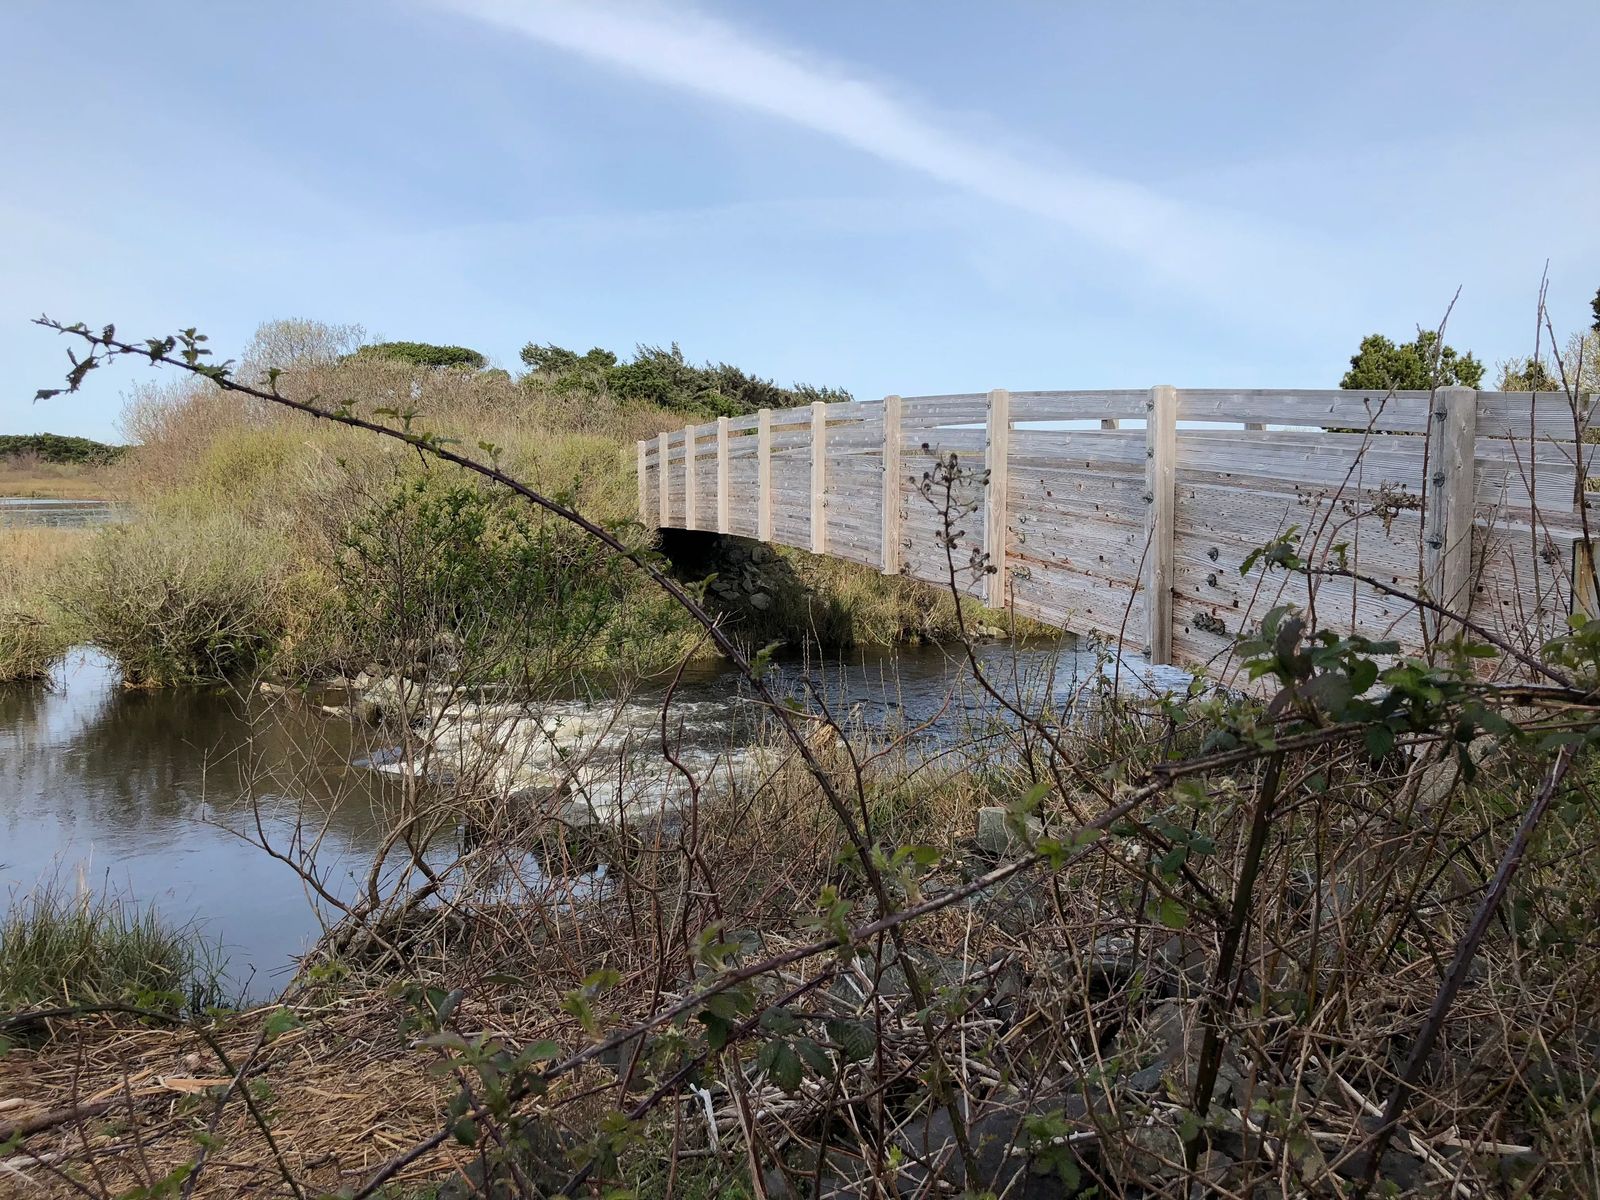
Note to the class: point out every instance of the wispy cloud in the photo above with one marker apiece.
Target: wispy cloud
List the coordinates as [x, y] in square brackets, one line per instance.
[1211, 254]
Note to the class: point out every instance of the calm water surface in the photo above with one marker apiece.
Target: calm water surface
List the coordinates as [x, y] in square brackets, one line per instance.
[146, 793]
[23, 512]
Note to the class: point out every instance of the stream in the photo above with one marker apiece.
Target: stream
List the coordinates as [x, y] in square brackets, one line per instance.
[153, 796]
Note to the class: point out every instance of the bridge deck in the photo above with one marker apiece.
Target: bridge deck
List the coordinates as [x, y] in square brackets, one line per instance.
[1128, 514]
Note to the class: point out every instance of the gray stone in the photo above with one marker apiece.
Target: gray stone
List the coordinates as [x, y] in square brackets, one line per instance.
[1210, 1175]
[995, 836]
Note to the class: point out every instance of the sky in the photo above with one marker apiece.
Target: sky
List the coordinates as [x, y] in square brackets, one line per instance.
[901, 196]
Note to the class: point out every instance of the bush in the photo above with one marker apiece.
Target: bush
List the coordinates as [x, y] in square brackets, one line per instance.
[663, 377]
[178, 600]
[447, 577]
[32, 632]
[58, 448]
[425, 354]
[60, 949]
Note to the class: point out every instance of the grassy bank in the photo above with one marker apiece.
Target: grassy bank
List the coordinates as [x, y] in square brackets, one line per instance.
[58, 947]
[264, 541]
[57, 481]
[34, 628]
[1063, 1003]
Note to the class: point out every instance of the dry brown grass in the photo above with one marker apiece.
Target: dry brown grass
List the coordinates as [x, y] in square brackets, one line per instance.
[37, 480]
[33, 632]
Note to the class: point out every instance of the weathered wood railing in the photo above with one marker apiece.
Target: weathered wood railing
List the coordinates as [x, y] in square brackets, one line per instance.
[1129, 513]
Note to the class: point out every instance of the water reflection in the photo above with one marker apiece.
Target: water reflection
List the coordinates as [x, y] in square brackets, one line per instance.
[147, 793]
[23, 512]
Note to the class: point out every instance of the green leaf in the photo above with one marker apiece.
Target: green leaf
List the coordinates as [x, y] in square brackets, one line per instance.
[782, 1065]
[780, 1020]
[854, 1038]
[717, 1028]
[281, 1022]
[1380, 741]
[1171, 913]
[815, 1057]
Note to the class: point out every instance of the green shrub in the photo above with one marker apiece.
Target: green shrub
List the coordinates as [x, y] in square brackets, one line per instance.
[58, 448]
[425, 354]
[61, 949]
[664, 378]
[30, 644]
[450, 578]
[177, 600]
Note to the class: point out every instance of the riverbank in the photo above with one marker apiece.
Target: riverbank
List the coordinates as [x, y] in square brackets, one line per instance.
[261, 543]
[46, 481]
[1051, 991]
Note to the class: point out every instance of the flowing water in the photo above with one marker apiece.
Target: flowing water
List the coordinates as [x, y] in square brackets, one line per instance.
[149, 795]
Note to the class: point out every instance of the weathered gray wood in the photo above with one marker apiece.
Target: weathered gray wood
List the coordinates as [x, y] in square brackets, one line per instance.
[1451, 497]
[819, 476]
[890, 548]
[724, 493]
[764, 475]
[644, 472]
[1161, 451]
[690, 500]
[997, 463]
[1069, 514]
[665, 512]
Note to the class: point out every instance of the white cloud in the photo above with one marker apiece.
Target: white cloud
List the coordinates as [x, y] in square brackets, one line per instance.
[1210, 254]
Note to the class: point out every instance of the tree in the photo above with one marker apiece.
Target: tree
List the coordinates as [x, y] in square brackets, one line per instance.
[301, 342]
[664, 377]
[1419, 365]
[1595, 306]
[1527, 375]
[425, 354]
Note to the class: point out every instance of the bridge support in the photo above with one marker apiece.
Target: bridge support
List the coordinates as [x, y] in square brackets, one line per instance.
[819, 476]
[889, 549]
[997, 456]
[1452, 489]
[1160, 480]
[764, 475]
[724, 492]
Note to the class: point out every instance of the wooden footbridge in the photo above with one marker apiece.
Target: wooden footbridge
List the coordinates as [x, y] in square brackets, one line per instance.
[1128, 514]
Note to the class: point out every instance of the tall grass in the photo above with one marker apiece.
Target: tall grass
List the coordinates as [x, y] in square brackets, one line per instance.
[177, 602]
[62, 948]
[33, 630]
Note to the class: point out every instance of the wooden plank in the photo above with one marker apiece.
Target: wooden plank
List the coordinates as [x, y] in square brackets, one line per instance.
[1079, 406]
[1160, 482]
[1405, 412]
[690, 500]
[764, 475]
[644, 472]
[819, 476]
[724, 489]
[890, 498]
[1452, 497]
[665, 513]
[997, 462]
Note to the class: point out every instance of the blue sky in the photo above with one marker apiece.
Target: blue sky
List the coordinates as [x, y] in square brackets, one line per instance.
[902, 196]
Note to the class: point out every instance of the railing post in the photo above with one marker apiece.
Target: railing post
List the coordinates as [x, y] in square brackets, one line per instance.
[723, 499]
[662, 458]
[764, 476]
[996, 458]
[1452, 499]
[819, 476]
[644, 477]
[889, 551]
[690, 503]
[1160, 480]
